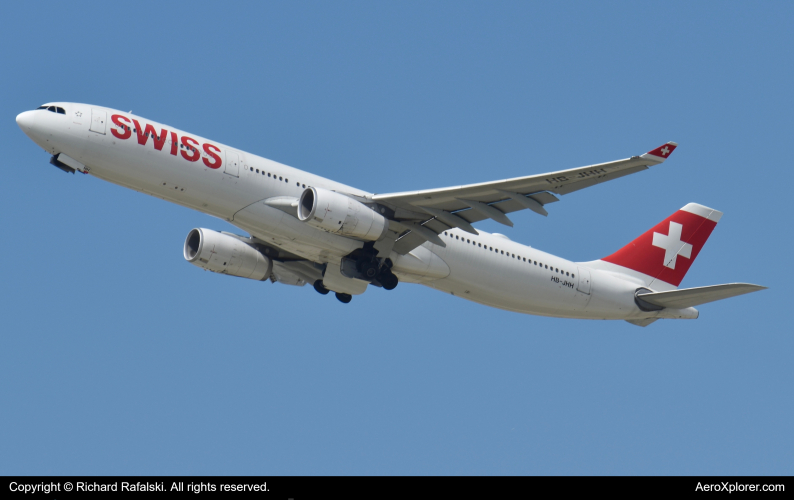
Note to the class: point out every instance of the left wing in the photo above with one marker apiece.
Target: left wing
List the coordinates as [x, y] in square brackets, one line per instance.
[421, 215]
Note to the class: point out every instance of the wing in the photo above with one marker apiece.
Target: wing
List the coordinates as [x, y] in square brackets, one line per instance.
[420, 216]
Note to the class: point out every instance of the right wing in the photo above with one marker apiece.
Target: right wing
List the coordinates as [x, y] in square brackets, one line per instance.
[421, 215]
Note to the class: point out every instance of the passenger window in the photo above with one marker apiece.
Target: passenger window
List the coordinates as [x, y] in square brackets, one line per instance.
[573, 276]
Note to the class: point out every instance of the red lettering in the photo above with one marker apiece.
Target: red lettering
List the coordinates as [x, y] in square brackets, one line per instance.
[174, 143]
[143, 135]
[126, 131]
[190, 147]
[217, 162]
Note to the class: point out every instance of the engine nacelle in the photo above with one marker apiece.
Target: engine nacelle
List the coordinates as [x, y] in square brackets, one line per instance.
[340, 214]
[226, 254]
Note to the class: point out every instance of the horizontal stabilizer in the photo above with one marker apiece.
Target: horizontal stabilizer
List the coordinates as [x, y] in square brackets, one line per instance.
[690, 297]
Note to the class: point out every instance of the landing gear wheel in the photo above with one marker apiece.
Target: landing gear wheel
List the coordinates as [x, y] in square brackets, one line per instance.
[344, 297]
[318, 285]
[389, 281]
[369, 269]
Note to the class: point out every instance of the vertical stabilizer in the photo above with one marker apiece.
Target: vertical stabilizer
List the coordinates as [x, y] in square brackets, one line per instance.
[666, 251]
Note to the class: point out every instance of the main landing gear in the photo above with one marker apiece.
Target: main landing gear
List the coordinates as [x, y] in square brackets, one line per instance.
[318, 285]
[388, 280]
[376, 272]
[344, 298]
[367, 268]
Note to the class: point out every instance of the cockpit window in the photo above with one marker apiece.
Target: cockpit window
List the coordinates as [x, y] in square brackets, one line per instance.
[54, 109]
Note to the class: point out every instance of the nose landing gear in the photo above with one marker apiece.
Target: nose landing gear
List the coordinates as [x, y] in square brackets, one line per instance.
[344, 298]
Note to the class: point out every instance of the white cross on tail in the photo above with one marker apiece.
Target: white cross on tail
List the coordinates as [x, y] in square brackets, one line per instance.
[672, 244]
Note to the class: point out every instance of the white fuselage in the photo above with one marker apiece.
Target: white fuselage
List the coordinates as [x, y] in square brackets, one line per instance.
[488, 268]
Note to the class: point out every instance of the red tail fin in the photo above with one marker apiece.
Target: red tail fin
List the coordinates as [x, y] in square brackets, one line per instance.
[666, 251]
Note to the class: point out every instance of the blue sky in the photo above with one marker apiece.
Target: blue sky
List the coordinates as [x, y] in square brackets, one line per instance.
[118, 357]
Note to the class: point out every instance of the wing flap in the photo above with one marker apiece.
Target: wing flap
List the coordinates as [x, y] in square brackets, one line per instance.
[690, 297]
[407, 242]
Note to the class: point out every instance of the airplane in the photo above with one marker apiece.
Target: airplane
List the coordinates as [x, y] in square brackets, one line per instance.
[305, 229]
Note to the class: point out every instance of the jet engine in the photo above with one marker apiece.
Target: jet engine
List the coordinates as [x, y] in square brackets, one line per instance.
[336, 213]
[226, 253]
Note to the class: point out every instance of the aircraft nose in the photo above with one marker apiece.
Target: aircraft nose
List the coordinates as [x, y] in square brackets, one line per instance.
[25, 120]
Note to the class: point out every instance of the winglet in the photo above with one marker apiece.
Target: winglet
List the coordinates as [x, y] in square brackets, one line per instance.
[661, 153]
